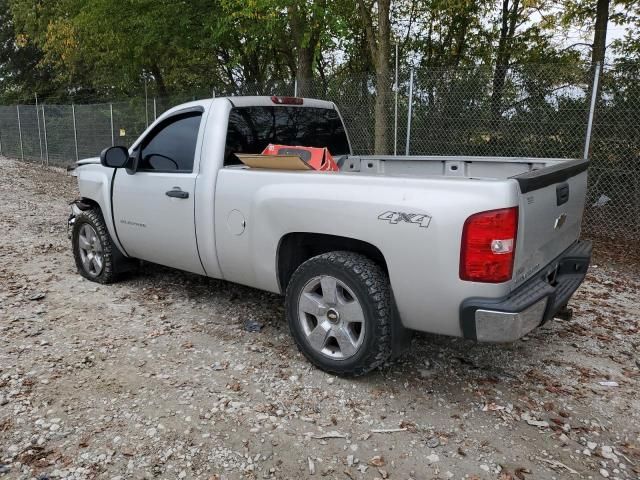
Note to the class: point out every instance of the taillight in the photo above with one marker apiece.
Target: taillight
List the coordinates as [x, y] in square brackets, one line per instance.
[286, 100]
[488, 246]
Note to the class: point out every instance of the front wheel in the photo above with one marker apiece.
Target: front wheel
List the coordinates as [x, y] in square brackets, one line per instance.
[340, 312]
[93, 249]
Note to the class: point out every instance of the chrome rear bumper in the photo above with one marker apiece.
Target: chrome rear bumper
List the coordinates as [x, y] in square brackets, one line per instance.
[533, 303]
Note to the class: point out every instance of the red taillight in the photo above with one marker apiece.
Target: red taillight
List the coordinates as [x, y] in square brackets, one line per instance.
[286, 100]
[489, 246]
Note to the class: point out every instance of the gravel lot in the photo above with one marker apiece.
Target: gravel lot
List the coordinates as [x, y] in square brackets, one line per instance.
[157, 376]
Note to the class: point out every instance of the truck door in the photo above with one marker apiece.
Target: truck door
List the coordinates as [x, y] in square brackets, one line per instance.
[154, 207]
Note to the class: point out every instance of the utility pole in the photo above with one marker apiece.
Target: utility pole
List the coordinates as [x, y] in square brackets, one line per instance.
[409, 113]
[39, 133]
[44, 128]
[592, 110]
[395, 116]
[20, 133]
[75, 130]
[146, 102]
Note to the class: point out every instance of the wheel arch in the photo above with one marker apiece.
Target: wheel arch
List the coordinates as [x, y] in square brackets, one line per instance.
[297, 247]
[85, 203]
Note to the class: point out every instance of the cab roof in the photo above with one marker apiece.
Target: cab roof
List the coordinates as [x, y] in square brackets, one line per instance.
[251, 101]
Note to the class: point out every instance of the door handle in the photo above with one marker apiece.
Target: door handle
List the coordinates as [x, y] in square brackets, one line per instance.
[177, 193]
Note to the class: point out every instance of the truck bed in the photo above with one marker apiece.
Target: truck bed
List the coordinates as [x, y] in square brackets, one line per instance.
[551, 195]
[448, 166]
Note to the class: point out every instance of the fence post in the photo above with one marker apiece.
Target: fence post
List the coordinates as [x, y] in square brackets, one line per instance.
[146, 103]
[44, 128]
[592, 110]
[155, 111]
[295, 87]
[113, 140]
[20, 133]
[406, 150]
[39, 133]
[395, 115]
[75, 131]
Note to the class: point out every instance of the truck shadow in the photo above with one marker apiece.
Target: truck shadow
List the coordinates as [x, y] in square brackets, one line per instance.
[256, 316]
[446, 383]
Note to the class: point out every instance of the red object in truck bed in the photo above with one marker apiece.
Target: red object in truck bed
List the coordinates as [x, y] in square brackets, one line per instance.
[317, 158]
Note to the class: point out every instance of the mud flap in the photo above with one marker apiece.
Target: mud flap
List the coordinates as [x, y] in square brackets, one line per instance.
[400, 336]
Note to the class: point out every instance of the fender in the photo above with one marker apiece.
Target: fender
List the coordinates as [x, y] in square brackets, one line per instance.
[96, 187]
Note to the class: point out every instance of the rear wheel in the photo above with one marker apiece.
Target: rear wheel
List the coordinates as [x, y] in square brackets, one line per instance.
[340, 312]
[93, 249]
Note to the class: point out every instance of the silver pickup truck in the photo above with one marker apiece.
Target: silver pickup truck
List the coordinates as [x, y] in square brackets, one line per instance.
[478, 247]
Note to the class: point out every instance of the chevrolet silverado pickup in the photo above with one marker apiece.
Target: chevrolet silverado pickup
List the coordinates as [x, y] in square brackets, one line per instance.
[485, 248]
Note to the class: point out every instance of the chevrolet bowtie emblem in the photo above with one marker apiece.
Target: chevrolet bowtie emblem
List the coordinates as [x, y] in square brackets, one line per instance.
[560, 221]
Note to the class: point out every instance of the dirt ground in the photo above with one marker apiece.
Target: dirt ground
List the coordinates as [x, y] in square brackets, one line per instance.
[157, 376]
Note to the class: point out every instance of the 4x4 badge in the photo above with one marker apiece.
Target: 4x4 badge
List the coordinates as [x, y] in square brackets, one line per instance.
[396, 217]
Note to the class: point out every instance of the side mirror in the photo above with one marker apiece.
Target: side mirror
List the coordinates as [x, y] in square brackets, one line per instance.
[114, 157]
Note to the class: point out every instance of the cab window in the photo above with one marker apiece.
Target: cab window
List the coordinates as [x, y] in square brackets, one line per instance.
[171, 146]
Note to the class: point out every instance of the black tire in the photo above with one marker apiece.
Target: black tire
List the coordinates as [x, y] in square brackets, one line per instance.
[370, 286]
[108, 272]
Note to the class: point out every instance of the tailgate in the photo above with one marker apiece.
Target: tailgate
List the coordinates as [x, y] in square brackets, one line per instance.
[550, 215]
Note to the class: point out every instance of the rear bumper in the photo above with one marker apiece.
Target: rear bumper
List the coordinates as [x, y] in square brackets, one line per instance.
[530, 305]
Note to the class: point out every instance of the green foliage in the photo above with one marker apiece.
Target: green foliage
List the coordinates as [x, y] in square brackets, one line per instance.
[476, 79]
[106, 48]
[21, 72]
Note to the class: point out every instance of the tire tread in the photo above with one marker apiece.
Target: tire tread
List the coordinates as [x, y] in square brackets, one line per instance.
[376, 282]
[94, 217]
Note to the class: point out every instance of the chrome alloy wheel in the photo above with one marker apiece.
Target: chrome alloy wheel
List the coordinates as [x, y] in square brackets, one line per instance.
[331, 317]
[90, 250]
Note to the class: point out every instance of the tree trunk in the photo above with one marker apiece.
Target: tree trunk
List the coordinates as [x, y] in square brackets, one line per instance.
[379, 41]
[322, 75]
[600, 35]
[461, 39]
[160, 85]
[306, 28]
[383, 79]
[599, 41]
[507, 32]
[598, 53]
[304, 72]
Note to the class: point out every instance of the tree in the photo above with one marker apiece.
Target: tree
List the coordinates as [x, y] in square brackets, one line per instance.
[600, 32]
[508, 22]
[378, 35]
[307, 22]
[252, 42]
[21, 75]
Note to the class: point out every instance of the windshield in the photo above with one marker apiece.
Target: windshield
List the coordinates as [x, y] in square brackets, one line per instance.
[251, 129]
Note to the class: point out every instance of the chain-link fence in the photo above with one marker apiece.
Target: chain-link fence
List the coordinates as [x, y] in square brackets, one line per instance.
[614, 181]
[524, 110]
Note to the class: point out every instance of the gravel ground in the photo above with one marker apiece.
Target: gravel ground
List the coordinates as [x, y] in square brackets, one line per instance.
[156, 376]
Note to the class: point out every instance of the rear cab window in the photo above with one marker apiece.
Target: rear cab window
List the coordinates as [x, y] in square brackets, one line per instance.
[251, 129]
